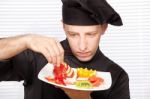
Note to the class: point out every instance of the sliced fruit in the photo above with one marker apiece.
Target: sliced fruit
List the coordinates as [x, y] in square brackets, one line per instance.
[96, 81]
[62, 72]
[84, 72]
[83, 84]
[50, 79]
[70, 72]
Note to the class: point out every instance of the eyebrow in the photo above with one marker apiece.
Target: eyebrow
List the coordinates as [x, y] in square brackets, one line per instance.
[86, 32]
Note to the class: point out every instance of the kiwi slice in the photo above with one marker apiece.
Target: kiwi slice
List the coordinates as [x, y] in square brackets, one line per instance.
[83, 84]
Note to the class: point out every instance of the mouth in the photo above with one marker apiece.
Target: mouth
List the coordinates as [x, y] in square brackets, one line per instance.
[83, 54]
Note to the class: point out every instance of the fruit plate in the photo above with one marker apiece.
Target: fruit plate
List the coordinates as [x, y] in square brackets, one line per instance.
[47, 71]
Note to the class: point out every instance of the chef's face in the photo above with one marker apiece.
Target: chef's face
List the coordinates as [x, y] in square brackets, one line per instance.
[84, 40]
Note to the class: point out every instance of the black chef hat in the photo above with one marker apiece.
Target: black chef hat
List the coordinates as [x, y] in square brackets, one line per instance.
[89, 12]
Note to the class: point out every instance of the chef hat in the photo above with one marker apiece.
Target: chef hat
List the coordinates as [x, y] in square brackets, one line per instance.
[89, 12]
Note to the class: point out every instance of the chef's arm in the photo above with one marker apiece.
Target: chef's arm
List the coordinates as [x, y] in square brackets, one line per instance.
[11, 46]
[49, 47]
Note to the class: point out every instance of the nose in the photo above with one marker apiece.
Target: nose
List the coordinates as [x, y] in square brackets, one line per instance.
[82, 44]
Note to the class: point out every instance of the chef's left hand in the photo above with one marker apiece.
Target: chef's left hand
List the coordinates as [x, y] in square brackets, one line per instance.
[77, 94]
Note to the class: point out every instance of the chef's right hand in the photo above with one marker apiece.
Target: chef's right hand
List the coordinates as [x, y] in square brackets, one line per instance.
[49, 47]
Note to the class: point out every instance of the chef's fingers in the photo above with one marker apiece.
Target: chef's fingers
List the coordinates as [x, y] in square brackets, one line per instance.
[61, 53]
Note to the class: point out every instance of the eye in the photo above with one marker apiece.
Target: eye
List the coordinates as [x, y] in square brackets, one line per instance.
[72, 34]
[91, 34]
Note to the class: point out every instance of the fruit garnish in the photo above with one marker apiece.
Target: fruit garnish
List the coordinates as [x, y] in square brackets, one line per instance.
[83, 84]
[84, 72]
[62, 72]
[96, 81]
[80, 77]
[50, 79]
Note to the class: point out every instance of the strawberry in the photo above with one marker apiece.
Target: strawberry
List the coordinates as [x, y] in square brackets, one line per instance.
[62, 72]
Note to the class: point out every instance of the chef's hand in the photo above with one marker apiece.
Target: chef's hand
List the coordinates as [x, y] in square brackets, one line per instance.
[49, 47]
[77, 94]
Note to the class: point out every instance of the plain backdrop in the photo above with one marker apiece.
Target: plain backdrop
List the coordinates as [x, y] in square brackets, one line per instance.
[129, 45]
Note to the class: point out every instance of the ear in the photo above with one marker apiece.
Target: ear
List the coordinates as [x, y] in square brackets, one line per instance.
[104, 28]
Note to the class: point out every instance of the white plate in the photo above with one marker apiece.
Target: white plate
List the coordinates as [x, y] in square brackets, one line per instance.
[47, 70]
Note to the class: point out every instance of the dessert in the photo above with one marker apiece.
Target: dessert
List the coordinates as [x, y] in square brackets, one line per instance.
[79, 77]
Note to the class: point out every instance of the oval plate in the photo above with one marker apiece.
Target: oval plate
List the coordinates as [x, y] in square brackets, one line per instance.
[47, 71]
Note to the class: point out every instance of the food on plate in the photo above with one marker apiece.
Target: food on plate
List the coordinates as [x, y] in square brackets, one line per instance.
[96, 81]
[62, 72]
[51, 79]
[84, 72]
[80, 77]
[83, 84]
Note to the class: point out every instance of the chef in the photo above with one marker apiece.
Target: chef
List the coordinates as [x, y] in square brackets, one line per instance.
[84, 23]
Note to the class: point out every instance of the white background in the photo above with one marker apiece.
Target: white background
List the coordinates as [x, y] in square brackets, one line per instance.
[129, 46]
